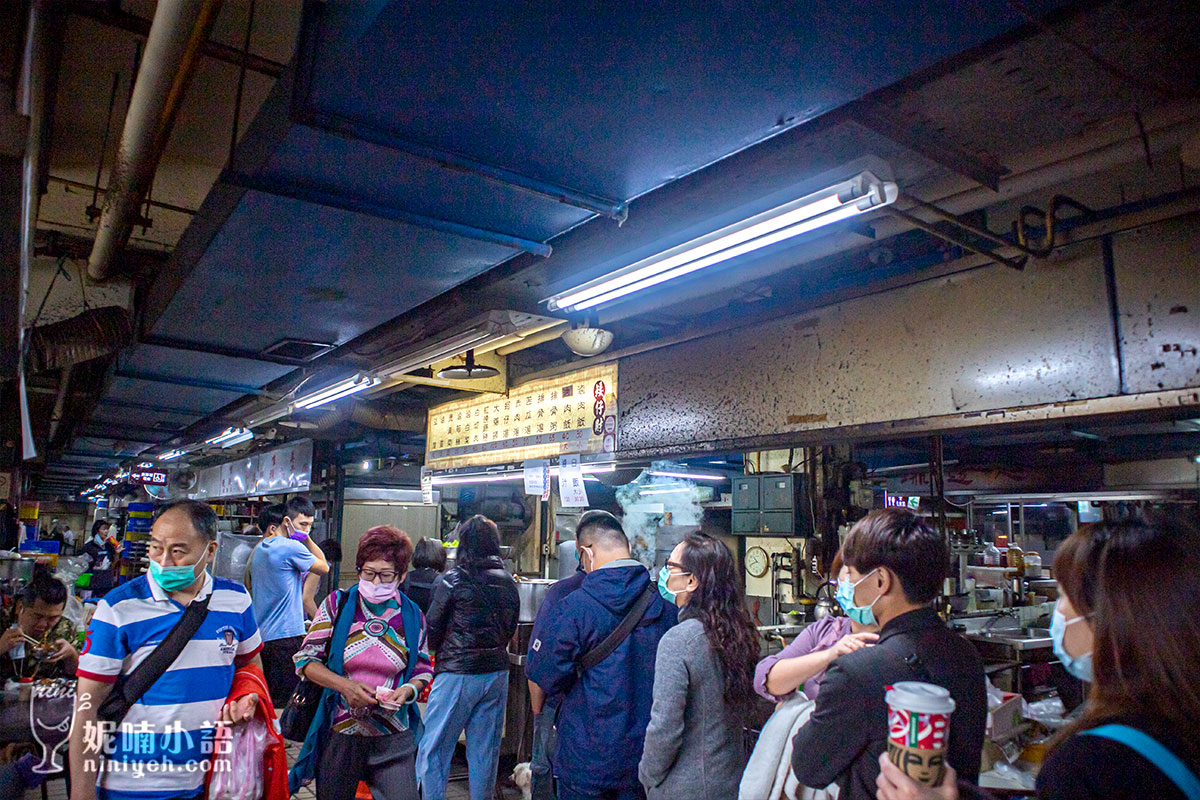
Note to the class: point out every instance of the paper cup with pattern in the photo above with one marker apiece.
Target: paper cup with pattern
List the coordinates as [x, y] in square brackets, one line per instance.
[919, 729]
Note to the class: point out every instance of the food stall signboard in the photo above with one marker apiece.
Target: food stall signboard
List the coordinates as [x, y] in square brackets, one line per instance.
[575, 413]
[149, 477]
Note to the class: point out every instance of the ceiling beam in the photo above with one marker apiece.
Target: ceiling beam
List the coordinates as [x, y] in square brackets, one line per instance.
[195, 383]
[925, 142]
[172, 343]
[323, 197]
[183, 412]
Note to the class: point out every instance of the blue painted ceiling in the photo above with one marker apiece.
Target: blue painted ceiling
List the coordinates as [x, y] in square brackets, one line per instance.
[608, 99]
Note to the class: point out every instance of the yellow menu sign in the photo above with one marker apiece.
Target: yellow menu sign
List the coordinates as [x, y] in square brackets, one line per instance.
[575, 413]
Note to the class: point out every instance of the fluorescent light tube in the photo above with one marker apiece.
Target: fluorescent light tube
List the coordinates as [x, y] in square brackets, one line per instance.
[438, 351]
[690, 476]
[244, 436]
[445, 480]
[231, 436]
[337, 391]
[498, 477]
[170, 454]
[860, 194]
[680, 490]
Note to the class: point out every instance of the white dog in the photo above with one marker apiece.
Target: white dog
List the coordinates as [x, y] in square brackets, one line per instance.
[523, 777]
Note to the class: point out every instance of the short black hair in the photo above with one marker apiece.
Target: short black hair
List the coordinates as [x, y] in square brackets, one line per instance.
[201, 515]
[270, 516]
[603, 526]
[903, 543]
[45, 587]
[429, 554]
[301, 506]
[98, 524]
[332, 549]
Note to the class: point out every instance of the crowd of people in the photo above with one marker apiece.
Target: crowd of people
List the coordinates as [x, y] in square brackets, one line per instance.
[642, 686]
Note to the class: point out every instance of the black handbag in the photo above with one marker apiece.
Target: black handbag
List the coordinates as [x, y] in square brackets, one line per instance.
[297, 716]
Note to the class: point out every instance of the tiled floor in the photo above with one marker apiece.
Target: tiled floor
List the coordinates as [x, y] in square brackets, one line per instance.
[457, 790]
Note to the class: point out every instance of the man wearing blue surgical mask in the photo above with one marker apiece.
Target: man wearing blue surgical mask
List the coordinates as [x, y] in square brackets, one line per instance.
[188, 699]
[894, 566]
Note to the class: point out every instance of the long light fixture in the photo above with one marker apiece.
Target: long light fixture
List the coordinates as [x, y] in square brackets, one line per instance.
[515, 475]
[690, 476]
[231, 436]
[680, 490]
[170, 455]
[858, 195]
[483, 334]
[337, 391]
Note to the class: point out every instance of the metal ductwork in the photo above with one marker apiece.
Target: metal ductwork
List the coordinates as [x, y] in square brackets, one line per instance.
[94, 333]
[371, 417]
[173, 47]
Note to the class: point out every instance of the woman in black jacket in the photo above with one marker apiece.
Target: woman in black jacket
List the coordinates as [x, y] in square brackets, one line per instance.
[471, 619]
[428, 562]
[1128, 623]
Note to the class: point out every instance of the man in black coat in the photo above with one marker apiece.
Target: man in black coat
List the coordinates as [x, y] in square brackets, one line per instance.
[894, 566]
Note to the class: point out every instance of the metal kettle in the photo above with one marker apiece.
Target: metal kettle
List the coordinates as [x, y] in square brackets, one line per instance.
[825, 605]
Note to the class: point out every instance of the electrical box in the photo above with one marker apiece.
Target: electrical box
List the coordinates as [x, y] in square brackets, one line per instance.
[772, 504]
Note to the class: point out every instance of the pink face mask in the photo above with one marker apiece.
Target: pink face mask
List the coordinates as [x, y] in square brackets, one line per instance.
[377, 592]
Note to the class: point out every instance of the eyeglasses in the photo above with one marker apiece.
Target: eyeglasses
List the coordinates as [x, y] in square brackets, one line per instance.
[386, 576]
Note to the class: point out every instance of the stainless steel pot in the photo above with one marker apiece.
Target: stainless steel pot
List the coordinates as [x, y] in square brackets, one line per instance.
[532, 592]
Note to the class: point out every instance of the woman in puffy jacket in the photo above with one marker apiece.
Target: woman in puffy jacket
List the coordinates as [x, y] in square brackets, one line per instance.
[471, 619]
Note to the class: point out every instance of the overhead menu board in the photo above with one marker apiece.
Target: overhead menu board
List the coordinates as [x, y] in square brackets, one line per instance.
[575, 413]
[285, 469]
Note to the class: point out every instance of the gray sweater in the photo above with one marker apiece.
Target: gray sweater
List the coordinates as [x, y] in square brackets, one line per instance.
[694, 742]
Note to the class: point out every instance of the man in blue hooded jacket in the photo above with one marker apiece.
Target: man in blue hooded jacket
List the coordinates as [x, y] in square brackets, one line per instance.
[605, 710]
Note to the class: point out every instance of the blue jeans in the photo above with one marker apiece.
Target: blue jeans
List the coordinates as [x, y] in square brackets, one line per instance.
[476, 704]
[540, 769]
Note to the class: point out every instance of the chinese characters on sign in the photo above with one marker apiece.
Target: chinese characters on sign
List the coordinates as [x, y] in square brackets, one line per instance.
[576, 413]
[570, 483]
[149, 477]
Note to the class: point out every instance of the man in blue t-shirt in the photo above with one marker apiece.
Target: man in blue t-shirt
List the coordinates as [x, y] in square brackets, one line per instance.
[277, 569]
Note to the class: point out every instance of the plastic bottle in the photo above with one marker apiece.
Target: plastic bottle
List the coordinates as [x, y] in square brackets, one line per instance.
[1016, 559]
[1033, 564]
[991, 555]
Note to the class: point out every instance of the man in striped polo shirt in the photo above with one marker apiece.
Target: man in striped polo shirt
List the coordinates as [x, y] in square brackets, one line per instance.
[164, 745]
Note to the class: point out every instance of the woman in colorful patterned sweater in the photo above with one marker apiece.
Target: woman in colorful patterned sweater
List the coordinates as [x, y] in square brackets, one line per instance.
[371, 737]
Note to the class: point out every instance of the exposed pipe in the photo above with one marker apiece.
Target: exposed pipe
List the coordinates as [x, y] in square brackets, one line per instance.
[173, 48]
[60, 401]
[1034, 171]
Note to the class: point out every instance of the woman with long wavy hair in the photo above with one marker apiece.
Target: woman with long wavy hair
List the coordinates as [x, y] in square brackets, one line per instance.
[703, 677]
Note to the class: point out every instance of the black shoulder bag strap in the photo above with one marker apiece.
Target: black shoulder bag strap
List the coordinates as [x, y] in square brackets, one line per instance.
[619, 634]
[129, 688]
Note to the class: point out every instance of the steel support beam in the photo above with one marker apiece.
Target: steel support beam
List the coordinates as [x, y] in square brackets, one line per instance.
[196, 383]
[323, 197]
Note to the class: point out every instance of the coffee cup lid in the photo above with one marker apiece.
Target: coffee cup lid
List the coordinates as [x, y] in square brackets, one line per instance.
[924, 698]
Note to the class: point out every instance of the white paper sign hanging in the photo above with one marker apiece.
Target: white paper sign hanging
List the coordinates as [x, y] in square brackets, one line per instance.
[570, 483]
[537, 478]
[426, 486]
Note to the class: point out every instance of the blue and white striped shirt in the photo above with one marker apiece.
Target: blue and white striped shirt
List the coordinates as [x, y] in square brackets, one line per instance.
[165, 743]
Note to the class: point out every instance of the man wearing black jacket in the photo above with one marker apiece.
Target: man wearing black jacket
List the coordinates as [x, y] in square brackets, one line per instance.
[894, 564]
